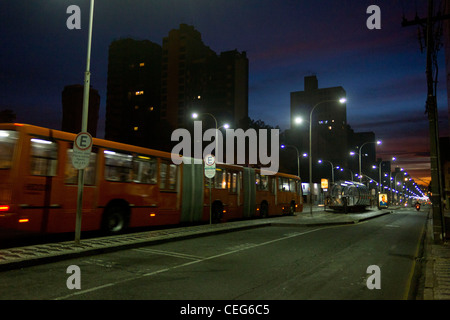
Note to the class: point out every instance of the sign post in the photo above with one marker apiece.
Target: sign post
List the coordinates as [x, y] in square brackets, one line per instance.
[210, 172]
[81, 138]
[82, 147]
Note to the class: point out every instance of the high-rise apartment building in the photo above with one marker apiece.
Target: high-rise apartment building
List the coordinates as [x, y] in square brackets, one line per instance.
[153, 90]
[195, 79]
[329, 121]
[72, 105]
[232, 88]
[133, 92]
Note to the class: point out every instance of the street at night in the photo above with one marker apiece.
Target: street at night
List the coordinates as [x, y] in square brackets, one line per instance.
[267, 263]
[200, 152]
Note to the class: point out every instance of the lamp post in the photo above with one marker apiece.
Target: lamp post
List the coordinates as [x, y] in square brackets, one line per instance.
[332, 169]
[226, 126]
[378, 142]
[283, 146]
[311, 189]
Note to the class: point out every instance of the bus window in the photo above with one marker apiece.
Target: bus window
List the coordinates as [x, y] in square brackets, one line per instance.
[8, 140]
[232, 182]
[240, 180]
[172, 177]
[292, 185]
[144, 170]
[283, 184]
[117, 166]
[44, 157]
[220, 179]
[263, 184]
[162, 175]
[167, 176]
[71, 174]
[299, 188]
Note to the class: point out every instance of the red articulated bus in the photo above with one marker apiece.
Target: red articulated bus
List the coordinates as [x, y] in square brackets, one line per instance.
[125, 186]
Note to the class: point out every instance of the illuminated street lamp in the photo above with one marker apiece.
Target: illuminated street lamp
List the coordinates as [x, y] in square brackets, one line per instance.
[284, 146]
[226, 126]
[378, 142]
[298, 120]
[332, 169]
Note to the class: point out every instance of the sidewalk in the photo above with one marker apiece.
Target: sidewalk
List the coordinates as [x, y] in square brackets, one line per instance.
[437, 266]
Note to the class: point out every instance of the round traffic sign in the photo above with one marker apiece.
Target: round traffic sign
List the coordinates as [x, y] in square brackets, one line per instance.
[210, 166]
[83, 141]
[82, 147]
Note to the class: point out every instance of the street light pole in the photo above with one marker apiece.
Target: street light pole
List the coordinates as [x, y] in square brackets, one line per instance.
[332, 169]
[311, 189]
[360, 152]
[298, 156]
[216, 152]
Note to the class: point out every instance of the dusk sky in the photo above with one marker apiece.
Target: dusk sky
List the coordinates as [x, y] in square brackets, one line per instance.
[382, 71]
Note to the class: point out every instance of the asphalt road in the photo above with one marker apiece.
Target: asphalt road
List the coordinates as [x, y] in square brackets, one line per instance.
[269, 263]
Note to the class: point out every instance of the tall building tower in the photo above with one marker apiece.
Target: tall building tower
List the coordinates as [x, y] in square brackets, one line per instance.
[186, 73]
[329, 121]
[72, 105]
[134, 92]
[195, 79]
[153, 90]
[232, 87]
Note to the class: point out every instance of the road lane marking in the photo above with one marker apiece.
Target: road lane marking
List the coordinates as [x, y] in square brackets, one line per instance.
[169, 253]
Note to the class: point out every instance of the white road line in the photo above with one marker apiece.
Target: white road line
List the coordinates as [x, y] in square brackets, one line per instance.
[169, 253]
[187, 264]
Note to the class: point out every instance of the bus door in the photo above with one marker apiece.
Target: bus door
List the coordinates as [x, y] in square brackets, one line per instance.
[233, 204]
[169, 191]
[193, 195]
[249, 189]
[8, 173]
[35, 202]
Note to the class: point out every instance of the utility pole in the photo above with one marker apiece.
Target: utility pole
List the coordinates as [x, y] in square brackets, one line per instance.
[431, 110]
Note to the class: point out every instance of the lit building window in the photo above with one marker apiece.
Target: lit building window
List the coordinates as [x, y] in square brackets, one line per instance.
[139, 93]
[150, 109]
[141, 64]
[136, 128]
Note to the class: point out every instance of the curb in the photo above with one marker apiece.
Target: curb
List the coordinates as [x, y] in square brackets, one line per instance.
[23, 257]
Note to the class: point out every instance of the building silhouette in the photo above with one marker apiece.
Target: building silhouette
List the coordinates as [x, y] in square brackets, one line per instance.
[133, 92]
[72, 105]
[330, 132]
[196, 79]
[332, 137]
[154, 89]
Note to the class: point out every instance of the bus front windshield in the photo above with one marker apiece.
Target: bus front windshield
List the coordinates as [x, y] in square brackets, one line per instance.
[8, 139]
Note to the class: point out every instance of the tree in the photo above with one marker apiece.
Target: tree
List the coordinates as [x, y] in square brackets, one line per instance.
[7, 116]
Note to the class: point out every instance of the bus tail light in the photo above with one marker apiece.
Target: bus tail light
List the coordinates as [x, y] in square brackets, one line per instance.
[24, 220]
[4, 208]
